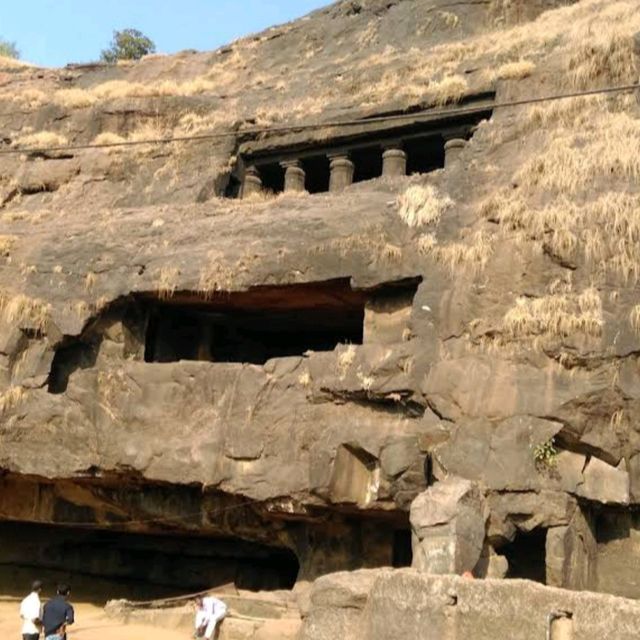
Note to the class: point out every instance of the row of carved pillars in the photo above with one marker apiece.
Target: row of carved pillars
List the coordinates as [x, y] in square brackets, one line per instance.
[394, 163]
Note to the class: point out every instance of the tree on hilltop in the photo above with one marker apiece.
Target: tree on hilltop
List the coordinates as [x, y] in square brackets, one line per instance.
[128, 44]
[8, 49]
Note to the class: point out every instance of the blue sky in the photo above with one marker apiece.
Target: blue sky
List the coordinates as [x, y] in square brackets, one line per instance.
[55, 32]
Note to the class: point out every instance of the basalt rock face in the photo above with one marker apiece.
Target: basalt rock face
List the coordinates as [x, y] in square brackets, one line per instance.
[382, 604]
[295, 369]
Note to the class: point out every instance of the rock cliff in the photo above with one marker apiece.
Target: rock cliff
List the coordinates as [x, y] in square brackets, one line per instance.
[284, 371]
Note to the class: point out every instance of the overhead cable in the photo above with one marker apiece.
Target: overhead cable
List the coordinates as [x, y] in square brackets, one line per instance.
[421, 116]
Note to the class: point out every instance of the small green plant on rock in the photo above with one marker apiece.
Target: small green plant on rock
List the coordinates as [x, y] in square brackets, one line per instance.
[546, 454]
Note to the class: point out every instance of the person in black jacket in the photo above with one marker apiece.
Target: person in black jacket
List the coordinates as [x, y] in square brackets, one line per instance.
[57, 615]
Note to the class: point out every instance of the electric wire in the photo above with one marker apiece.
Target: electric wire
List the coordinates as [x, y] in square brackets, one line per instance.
[418, 116]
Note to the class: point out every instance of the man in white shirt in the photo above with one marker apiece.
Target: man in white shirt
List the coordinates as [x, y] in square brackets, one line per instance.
[30, 612]
[210, 611]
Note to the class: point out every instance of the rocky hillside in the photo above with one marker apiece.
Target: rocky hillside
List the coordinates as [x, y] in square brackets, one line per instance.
[479, 320]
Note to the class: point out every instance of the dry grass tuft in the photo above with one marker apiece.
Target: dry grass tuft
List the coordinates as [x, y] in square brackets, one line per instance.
[11, 398]
[42, 139]
[607, 54]
[117, 89]
[604, 232]
[448, 90]
[472, 255]
[167, 282]
[11, 63]
[345, 360]
[90, 280]
[420, 205]
[108, 137]
[31, 98]
[515, 70]
[21, 310]
[193, 124]
[74, 98]
[6, 245]
[634, 318]
[555, 316]
[573, 159]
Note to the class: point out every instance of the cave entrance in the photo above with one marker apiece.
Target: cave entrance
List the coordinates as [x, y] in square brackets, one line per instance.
[526, 555]
[103, 564]
[257, 325]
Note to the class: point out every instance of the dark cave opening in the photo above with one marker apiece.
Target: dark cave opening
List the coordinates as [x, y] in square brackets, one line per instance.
[66, 360]
[256, 326]
[104, 564]
[526, 555]
[402, 548]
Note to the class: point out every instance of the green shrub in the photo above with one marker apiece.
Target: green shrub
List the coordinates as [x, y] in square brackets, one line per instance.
[128, 44]
[8, 49]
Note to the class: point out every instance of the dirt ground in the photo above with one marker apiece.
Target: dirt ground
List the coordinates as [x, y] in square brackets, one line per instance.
[91, 624]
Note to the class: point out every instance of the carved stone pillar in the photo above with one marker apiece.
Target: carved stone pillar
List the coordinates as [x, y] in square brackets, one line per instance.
[341, 172]
[452, 150]
[394, 162]
[252, 182]
[294, 175]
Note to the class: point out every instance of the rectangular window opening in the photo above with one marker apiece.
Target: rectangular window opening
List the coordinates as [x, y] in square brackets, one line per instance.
[255, 326]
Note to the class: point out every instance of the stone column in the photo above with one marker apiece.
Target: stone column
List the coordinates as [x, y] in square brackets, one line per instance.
[394, 162]
[252, 182]
[341, 172]
[452, 150]
[294, 175]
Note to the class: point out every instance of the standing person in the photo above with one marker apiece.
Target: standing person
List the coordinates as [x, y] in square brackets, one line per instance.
[30, 612]
[57, 615]
[210, 611]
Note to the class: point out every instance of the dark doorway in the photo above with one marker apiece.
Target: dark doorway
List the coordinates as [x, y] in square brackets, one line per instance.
[67, 359]
[527, 555]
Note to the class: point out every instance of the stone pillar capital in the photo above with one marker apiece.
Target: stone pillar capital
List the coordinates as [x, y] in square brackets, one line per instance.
[455, 143]
[286, 164]
[452, 150]
[394, 161]
[341, 171]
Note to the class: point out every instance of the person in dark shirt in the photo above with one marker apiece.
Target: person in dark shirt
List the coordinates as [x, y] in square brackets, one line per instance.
[57, 615]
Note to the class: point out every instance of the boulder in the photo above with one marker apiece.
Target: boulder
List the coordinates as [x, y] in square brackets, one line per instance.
[604, 483]
[448, 527]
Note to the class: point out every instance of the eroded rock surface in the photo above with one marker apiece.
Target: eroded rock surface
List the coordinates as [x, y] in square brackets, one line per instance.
[292, 370]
